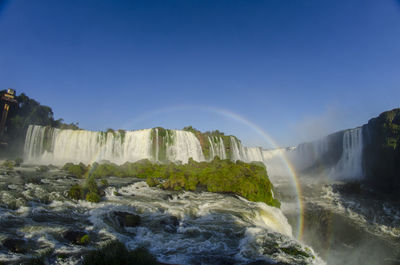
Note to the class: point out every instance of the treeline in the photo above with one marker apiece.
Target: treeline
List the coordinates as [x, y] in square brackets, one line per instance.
[28, 111]
[249, 180]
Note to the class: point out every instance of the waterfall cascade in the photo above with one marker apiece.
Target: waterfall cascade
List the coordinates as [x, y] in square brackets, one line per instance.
[350, 164]
[55, 146]
[340, 155]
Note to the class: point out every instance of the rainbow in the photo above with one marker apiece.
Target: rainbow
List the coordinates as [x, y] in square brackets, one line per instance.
[236, 117]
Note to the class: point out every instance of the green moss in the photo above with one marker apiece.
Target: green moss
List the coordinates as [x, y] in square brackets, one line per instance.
[247, 180]
[93, 197]
[78, 170]
[104, 182]
[295, 252]
[42, 168]
[75, 192]
[84, 240]
[8, 164]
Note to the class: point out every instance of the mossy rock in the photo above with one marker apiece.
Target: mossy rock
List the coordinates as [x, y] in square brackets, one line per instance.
[125, 219]
[77, 237]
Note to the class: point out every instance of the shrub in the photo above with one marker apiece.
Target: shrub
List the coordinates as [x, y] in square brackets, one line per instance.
[77, 170]
[8, 164]
[93, 197]
[42, 168]
[104, 182]
[75, 192]
[249, 180]
[18, 162]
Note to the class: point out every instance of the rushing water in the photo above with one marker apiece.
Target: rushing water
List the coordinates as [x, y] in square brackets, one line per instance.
[178, 228]
[344, 224]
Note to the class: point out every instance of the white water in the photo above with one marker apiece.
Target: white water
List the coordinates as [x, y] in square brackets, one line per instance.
[49, 145]
[350, 164]
[217, 147]
[185, 145]
[55, 146]
[210, 228]
[307, 155]
[85, 146]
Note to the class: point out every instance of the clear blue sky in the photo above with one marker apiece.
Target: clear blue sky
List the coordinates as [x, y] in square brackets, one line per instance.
[295, 68]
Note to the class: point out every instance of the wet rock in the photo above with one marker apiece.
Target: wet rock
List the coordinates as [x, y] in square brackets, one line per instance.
[127, 219]
[167, 197]
[170, 224]
[102, 193]
[76, 237]
[15, 245]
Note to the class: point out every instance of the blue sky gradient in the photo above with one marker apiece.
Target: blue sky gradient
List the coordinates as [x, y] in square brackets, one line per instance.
[298, 69]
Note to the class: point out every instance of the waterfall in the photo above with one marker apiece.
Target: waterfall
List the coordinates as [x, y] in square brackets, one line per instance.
[217, 147]
[185, 145]
[350, 163]
[235, 150]
[340, 154]
[157, 145]
[54, 146]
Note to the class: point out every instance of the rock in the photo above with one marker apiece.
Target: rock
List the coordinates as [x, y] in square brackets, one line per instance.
[102, 193]
[168, 197]
[75, 237]
[127, 219]
[15, 245]
[170, 224]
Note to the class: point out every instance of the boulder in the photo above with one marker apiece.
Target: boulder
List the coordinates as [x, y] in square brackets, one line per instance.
[170, 224]
[125, 219]
[75, 237]
[15, 245]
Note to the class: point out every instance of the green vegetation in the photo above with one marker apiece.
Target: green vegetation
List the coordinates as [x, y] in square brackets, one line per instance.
[75, 192]
[93, 197]
[78, 170]
[247, 180]
[89, 191]
[8, 164]
[18, 162]
[296, 252]
[85, 240]
[165, 139]
[381, 154]
[115, 253]
[215, 136]
[42, 168]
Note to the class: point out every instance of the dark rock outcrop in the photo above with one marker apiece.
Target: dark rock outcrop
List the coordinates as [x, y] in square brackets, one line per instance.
[15, 245]
[381, 154]
[125, 219]
[76, 237]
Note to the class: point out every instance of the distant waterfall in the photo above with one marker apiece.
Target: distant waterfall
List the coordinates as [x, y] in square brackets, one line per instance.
[55, 146]
[217, 147]
[350, 164]
[185, 145]
[339, 155]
